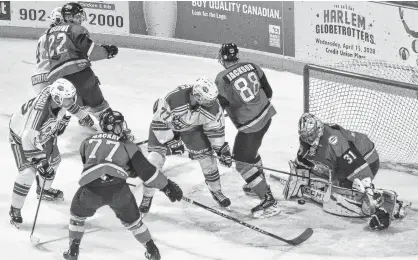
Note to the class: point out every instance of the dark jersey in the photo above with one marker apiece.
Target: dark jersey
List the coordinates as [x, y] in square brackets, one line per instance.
[108, 160]
[246, 96]
[62, 50]
[344, 152]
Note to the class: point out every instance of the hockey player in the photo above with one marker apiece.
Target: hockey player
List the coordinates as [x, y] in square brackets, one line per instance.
[33, 137]
[109, 158]
[341, 164]
[193, 113]
[44, 66]
[67, 49]
[245, 94]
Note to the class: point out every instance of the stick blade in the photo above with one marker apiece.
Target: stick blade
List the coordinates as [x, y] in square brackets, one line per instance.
[301, 238]
[34, 240]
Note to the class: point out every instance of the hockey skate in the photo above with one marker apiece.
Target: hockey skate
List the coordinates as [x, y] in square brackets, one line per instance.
[152, 251]
[50, 195]
[72, 253]
[145, 204]
[267, 208]
[219, 197]
[15, 217]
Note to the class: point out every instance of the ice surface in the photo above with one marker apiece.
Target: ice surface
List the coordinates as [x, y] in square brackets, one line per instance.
[131, 83]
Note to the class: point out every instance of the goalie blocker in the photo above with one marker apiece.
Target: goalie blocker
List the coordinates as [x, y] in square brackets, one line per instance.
[336, 168]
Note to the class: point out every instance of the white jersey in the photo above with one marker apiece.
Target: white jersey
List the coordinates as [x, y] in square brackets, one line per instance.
[43, 66]
[174, 113]
[35, 123]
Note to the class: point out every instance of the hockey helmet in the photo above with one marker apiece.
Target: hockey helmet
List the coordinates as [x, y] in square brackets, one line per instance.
[73, 13]
[310, 129]
[63, 93]
[205, 92]
[228, 52]
[112, 122]
[56, 16]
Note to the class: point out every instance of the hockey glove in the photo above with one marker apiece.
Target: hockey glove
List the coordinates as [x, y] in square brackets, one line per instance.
[173, 191]
[63, 124]
[175, 147]
[44, 169]
[224, 154]
[112, 50]
[380, 220]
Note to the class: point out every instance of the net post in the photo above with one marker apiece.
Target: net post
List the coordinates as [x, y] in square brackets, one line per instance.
[306, 88]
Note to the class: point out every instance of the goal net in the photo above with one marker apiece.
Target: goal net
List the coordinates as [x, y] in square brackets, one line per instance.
[372, 97]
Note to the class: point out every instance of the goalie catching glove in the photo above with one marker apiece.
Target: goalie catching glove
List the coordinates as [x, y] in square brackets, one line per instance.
[380, 220]
[294, 183]
[224, 154]
[112, 50]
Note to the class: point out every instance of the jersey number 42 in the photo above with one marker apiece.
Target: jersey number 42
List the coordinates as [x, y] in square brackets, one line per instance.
[247, 86]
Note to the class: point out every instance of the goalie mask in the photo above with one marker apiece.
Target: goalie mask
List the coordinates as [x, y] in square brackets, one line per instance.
[56, 16]
[73, 13]
[310, 129]
[228, 52]
[63, 93]
[205, 92]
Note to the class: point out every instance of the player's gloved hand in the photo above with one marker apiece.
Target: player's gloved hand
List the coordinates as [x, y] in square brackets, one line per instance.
[224, 153]
[44, 169]
[112, 50]
[175, 147]
[173, 191]
[380, 220]
[63, 124]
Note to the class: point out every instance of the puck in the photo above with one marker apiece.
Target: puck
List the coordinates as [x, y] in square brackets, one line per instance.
[301, 202]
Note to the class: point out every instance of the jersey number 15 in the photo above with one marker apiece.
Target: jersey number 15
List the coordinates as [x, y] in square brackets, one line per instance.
[247, 86]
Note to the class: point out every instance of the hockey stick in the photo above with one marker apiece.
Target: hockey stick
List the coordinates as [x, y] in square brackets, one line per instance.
[294, 242]
[35, 240]
[142, 142]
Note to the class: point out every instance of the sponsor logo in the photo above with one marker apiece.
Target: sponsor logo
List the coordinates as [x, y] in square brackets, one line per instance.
[5, 10]
[333, 140]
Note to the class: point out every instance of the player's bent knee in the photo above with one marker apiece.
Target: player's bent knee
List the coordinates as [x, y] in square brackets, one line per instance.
[208, 164]
[157, 159]
[26, 176]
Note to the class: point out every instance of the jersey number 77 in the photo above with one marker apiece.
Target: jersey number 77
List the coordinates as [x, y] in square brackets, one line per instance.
[247, 86]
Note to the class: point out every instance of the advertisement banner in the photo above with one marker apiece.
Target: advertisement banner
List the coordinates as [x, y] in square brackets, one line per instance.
[257, 25]
[5, 12]
[102, 17]
[329, 32]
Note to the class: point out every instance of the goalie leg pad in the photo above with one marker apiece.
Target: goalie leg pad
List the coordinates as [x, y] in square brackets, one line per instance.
[294, 183]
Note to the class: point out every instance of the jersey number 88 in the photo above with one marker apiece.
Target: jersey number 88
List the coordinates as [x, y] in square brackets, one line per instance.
[247, 86]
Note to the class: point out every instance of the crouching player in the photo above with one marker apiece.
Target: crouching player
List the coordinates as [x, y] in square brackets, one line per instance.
[193, 113]
[33, 137]
[109, 159]
[337, 167]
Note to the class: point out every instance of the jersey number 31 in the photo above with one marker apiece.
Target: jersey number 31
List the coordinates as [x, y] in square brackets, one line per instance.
[247, 86]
